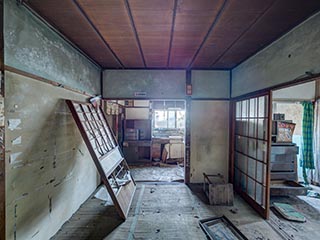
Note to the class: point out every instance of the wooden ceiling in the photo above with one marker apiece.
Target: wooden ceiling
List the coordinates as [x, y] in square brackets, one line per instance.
[186, 34]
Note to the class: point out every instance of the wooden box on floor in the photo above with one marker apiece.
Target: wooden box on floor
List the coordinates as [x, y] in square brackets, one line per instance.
[217, 191]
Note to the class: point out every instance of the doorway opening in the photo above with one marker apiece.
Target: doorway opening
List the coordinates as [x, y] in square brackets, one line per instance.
[276, 151]
[152, 136]
[295, 141]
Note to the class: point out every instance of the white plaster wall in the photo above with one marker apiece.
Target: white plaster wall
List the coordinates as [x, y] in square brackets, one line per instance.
[209, 139]
[49, 172]
[31, 46]
[284, 60]
[161, 84]
[210, 84]
[137, 113]
[304, 91]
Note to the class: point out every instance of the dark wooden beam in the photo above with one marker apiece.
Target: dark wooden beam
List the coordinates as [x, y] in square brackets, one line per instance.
[135, 31]
[2, 134]
[45, 80]
[1, 40]
[172, 31]
[243, 33]
[187, 159]
[98, 33]
[215, 21]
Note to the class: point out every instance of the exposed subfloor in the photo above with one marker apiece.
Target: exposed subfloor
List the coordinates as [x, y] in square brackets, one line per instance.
[172, 211]
[157, 172]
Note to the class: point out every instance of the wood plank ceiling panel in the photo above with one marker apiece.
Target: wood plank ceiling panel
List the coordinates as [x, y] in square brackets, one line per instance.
[237, 17]
[153, 20]
[192, 22]
[113, 22]
[65, 16]
[282, 16]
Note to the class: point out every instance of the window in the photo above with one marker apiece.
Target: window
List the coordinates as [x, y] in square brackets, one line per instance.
[169, 119]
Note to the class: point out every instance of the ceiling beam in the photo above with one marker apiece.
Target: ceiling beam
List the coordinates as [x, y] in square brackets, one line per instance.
[208, 33]
[98, 33]
[135, 31]
[172, 31]
[243, 33]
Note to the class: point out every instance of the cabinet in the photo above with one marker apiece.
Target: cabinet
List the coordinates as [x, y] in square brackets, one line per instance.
[157, 147]
[284, 162]
[137, 140]
[136, 151]
[137, 129]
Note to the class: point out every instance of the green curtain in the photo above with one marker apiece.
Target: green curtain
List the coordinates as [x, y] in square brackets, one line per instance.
[307, 136]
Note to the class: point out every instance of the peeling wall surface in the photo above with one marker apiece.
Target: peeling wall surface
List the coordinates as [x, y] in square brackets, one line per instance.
[33, 47]
[283, 61]
[49, 172]
[162, 84]
[209, 139]
[210, 84]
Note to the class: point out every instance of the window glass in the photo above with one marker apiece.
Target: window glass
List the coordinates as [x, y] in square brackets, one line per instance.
[160, 119]
[171, 119]
[180, 119]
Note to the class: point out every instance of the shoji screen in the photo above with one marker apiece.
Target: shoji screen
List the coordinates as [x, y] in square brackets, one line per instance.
[251, 151]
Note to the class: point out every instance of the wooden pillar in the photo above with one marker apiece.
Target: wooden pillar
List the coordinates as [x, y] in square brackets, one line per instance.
[317, 95]
[2, 136]
[188, 133]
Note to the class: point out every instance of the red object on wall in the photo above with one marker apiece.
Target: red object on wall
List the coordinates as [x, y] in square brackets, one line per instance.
[189, 89]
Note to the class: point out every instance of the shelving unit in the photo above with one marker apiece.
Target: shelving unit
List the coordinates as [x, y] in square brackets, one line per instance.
[137, 140]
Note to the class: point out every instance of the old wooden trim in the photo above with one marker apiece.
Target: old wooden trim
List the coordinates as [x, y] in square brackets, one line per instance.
[45, 80]
[187, 159]
[262, 209]
[294, 82]
[2, 134]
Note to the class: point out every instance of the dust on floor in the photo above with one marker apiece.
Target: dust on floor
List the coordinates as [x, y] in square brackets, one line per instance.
[173, 210]
[291, 230]
[157, 172]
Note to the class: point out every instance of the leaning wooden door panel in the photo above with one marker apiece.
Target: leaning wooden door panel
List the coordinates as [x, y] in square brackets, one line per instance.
[105, 153]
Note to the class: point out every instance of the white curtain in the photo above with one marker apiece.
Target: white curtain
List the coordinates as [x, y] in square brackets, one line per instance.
[315, 175]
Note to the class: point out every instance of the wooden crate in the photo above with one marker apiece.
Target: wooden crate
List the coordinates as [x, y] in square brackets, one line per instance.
[217, 191]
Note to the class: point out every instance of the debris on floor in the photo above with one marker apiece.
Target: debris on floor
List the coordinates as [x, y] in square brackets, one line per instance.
[289, 212]
[220, 228]
[179, 214]
[217, 191]
[159, 172]
[234, 210]
[313, 194]
[102, 194]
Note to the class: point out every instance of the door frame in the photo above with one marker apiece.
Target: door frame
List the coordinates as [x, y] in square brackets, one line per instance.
[264, 212]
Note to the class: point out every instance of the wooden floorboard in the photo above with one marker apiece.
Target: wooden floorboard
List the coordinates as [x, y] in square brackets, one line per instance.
[172, 211]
